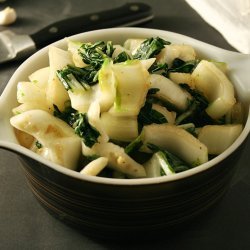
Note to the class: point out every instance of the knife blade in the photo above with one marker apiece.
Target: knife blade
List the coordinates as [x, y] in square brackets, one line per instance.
[15, 46]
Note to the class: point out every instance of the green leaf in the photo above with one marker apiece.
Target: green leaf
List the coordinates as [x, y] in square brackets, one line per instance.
[148, 115]
[150, 48]
[152, 91]
[94, 54]
[122, 57]
[73, 77]
[134, 145]
[38, 144]
[196, 110]
[68, 115]
[181, 66]
[85, 130]
[174, 162]
[159, 68]
[79, 122]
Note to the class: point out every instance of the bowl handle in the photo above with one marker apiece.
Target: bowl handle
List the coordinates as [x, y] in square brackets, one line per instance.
[241, 62]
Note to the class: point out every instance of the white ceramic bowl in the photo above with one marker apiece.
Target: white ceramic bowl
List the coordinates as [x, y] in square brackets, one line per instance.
[117, 206]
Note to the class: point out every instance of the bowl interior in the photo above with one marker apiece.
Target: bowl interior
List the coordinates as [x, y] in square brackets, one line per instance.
[238, 73]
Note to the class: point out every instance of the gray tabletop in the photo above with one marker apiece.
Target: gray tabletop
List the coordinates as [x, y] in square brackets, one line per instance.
[24, 224]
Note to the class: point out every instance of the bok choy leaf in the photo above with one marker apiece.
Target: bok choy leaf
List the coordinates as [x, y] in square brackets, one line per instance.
[79, 122]
[196, 111]
[150, 48]
[179, 65]
[94, 54]
[73, 77]
[172, 163]
[85, 130]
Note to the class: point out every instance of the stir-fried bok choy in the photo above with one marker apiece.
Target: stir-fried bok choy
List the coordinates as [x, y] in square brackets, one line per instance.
[146, 108]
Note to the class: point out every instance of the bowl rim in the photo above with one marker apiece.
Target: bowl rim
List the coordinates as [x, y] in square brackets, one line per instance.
[14, 146]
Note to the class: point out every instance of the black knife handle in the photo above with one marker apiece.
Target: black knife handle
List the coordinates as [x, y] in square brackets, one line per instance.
[127, 15]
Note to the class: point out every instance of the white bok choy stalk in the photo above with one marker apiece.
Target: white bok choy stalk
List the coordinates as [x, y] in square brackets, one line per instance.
[57, 141]
[118, 49]
[172, 51]
[107, 85]
[147, 63]
[117, 158]
[169, 115]
[170, 92]
[216, 87]
[56, 93]
[132, 84]
[30, 96]
[81, 93]
[157, 166]
[120, 128]
[133, 44]
[40, 77]
[73, 48]
[218, 138]
[177, 141]
[180, 77]
[118, 91]
[93, 114]
[30, 106]
[95, 166]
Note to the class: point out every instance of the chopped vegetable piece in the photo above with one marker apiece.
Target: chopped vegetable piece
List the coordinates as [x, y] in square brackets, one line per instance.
[55, 91]
[177, 141]
[218, 138]
[120, 128]
[107, 84]
[189, 127]
[95, 166]
[158, 165]
[150, 48]
[237, 113]
[68, 115]
[27, 92]
[94, 54]
[122, 57]
[132, 45]
[132, 86]
[178, 77]
[73, 48]
[72, 77]
[195, 112]
[40, 77]
[170, 92]
[216, 87]
[134, 145]
[84, 129]
[58, 140]
[118, 159]
[80, 92]
[182, 66]
[169, 115]
[148, 115]
[172, 51]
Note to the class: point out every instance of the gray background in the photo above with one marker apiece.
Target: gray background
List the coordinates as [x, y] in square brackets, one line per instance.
[24, 224]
